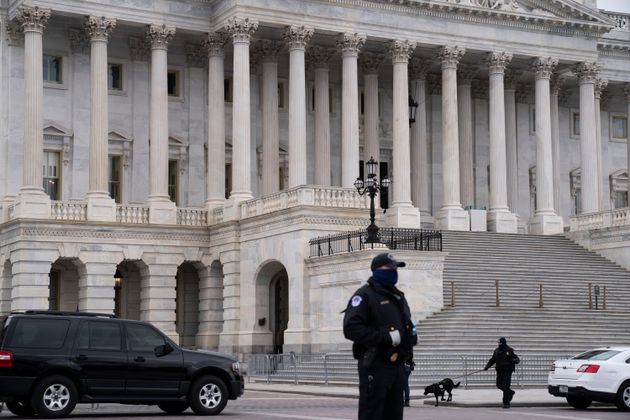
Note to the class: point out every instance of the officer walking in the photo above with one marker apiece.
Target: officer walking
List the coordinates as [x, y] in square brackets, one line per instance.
[506, 361]
[378, 321]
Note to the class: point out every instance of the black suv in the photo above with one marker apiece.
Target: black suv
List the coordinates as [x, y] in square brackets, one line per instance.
[50, 361]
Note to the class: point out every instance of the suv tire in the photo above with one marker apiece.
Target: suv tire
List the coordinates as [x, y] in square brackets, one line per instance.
[54, 397]
[623, 397]
[20, 408]
[579, 403]
[173, 407]
[208, 396]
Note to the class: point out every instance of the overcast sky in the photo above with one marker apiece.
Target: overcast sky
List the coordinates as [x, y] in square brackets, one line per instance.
[614, 5]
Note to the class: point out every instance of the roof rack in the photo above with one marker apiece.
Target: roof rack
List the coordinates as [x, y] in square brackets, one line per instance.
[64, 313]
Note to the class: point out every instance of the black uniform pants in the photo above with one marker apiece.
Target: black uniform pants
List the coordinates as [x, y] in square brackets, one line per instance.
[504, 381]
[381, 391]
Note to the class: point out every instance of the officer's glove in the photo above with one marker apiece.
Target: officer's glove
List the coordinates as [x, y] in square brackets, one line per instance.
[395, 336]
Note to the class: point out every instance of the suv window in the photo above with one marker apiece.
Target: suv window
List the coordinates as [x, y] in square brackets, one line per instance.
[597, 355]
[3, 327]
[143, 337]
[100, 336]
[40, 333]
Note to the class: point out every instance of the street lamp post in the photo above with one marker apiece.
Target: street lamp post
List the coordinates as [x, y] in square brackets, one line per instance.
[371, 186]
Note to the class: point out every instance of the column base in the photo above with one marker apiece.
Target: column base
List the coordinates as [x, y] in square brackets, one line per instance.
[502, 222]
[162, 211]
[100, 207]
[403, 217]
[546, 224]
[31, 203]
[453, 218]
[426, 219]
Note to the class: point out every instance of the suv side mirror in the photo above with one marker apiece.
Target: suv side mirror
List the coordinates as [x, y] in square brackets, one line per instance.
[163, 350]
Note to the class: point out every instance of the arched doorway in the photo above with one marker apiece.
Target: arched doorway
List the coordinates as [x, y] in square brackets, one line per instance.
[63, 286]
[187, 304]
[127, 289]
[272, 304]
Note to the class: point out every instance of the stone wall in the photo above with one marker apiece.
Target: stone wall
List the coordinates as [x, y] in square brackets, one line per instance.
[613, 243]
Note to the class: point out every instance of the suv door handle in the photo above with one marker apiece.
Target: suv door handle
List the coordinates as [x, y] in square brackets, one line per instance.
[81, 358]
[139, 359]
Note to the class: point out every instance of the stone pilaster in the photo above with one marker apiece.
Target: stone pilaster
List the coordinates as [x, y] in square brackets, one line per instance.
[241, 30]
[33, 201]
[510, 138]
[420, 143]
[215, 178]
[30, 281]
[96, 287]
[556, 85]
[600, 86]
[499, 217]
[587, 76]
[100, 206]
[297, 37]
[545, 220]
[210, 306]
[370, 64]
[229, 338]
[350, 44]
[157, 296]
[465, 75]
[451, 216]
[161, 208]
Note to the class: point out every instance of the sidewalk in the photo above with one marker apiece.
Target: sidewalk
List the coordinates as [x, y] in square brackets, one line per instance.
[477, 397]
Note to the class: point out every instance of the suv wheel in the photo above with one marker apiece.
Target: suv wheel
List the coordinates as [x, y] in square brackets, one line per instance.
[54, 397]
[579, 403]
[208, 396]
[20, 408]
[623, 397]
[174, 407]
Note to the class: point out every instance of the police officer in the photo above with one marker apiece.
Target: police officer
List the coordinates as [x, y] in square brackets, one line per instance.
[506, 361]
[378, 321]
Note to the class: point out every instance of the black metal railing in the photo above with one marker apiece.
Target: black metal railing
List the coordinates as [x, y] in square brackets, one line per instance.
[393, 238]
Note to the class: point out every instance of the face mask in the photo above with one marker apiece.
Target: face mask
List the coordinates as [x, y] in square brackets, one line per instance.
[386, 279]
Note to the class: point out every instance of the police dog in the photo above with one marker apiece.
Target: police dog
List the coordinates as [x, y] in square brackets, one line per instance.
[439, 388]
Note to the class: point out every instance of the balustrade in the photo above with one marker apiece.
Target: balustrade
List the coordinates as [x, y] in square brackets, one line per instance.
[132, 214]
[192, 217]
[622, 20]
[61, 210]
[601, 220]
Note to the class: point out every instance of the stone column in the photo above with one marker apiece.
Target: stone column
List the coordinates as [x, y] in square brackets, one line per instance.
[100, 206]
[403, 213]
[319, 58]
[510, 139]
[545, 220]
[161, 209]
[600, 86]
[370, 64]
[420, 150]
[241, 30]
[465, 74]
[499, 217]
[587, 75]
[296, 38]
[96, 285]
[268, 52]
[451, 216]
[157, 296]
[556, 84]
[32, 201]
[350, 44]
[215, 178]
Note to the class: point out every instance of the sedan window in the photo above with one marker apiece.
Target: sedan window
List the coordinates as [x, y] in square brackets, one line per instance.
[597, 355]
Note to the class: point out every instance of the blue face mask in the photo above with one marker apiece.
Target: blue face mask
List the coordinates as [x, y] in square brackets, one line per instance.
[386, 279]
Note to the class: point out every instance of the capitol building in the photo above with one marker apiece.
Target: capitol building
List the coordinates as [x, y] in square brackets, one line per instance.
[174, 161]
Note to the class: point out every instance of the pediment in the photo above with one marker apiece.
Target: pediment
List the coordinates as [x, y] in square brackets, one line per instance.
[176, 142]
[54, 129]
[116, 135]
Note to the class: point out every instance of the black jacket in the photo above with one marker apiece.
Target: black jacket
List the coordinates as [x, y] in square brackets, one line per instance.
[504, 358]
[371, 314]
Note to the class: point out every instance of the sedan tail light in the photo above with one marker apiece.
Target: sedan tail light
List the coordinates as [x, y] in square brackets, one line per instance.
[552, 368]
[588, 368]
[6, 359]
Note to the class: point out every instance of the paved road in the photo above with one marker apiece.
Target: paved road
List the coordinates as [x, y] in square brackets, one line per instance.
[267, 405]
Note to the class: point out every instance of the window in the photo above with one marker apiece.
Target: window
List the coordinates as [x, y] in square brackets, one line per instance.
[52, 69]
[384, 194]
[619, 127]
[620, 199]
[100, 336]
[227, 89]
[619, 189]
[174, 83]
[53, 291]
[575, 124]
[330, 100]
[172, 180]
[115, 76]
[40, 333]
[143, 338]
[51, 182]
[597, 355]
[532, 119]
[115, 191]
[228, 180]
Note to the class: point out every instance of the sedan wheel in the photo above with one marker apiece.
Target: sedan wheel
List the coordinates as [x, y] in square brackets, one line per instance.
[208, 396]
[623, 397]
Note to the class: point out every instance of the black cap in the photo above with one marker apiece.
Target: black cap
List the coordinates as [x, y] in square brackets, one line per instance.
[502, 340]
[385, 259]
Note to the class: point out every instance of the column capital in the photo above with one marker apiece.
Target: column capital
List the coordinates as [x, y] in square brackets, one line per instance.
[139, 49]
[543, 67]
[319, 57]
[159, 36]
[351, 43]
[401, 50]
[511, 78]
[297, 36]
[267, 51]
[214, 43]
[99, 28]
[587, 72]
[196, 55]
[498, 61]
[419, 68]
[450, 56]
[556, 83]
[241, 29]
[371, 62]
[465, 74]
[600, 86]
[32, 18]
[626, 91]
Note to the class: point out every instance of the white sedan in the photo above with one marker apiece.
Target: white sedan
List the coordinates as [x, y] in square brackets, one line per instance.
[601, 374]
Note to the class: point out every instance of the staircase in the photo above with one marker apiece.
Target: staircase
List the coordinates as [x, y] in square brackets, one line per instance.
[557, 321]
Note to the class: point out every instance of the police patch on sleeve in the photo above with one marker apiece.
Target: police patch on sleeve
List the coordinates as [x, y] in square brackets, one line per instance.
[356, 301]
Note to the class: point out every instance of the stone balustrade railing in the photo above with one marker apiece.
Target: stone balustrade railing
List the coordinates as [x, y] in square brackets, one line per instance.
[68, 210]
[192, 217]
[601, 220]
[132, 214]
[622, 20]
